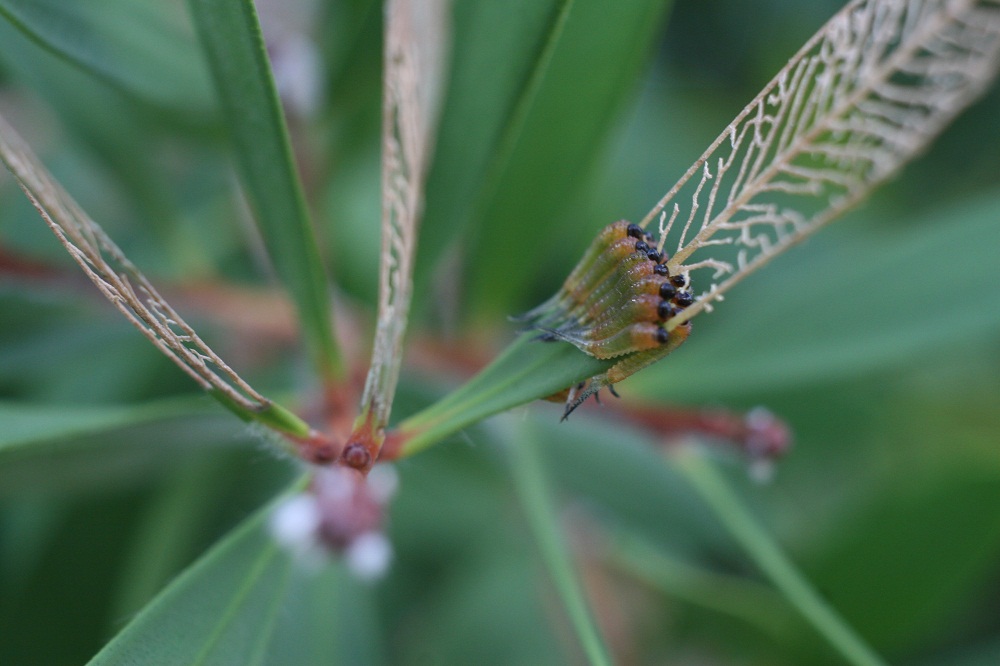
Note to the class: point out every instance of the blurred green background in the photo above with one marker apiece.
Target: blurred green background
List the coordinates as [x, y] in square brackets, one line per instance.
[878, 341]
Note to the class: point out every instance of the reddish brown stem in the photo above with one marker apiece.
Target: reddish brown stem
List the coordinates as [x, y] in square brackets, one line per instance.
[757, 432]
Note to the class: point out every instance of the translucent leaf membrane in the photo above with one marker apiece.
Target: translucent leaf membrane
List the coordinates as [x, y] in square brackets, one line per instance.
[864, 95]
[415, 47]
[801, 294]
[867, 93]
[132, 294]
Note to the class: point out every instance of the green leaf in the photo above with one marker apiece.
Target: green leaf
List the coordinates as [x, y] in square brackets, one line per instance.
[551, 143]
[234, 46]
[221, 610]
[27, 425]
[168, 533]
[108, 125]
[539, 509]
[621, 469]
[272, 415]
[986, 653]
[453, 516]
[527, 370]
[773, 562]
[496, 55]
[943, 520]
[745, 599]
[534, 90]
[64, 449]
[142, 49]
[328, 617]
[234, 606]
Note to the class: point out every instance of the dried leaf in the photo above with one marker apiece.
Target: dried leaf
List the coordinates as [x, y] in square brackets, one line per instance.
[129, 290]
[864, 96]
[416, 42]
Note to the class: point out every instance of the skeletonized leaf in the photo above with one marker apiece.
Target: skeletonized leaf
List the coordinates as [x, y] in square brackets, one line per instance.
[415, 45]
[810, 344]
[865, 95]
[132, 294]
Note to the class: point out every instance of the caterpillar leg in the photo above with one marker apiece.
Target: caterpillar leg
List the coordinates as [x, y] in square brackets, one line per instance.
[577, 398]
[577, 395]
[624, 369]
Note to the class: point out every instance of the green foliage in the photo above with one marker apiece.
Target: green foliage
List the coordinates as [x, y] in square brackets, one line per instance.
[539, 508]
[248, 601]
[142, 51]
[234, 47]
[120, 489]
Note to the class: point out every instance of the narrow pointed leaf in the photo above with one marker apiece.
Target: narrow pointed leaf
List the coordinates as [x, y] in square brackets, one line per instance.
[527, 370]
[535, 88]
[231, 38]
[144, 50]
[26, 424]
[767, 554]
[550, 145]
[329, 617]
[540, 511]
[218, 612]
[745, 599]
[135, 297]
[921, 591]
[497, 53]
[170, 532]
[61, 448]
[416, 42]
[223, 610]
